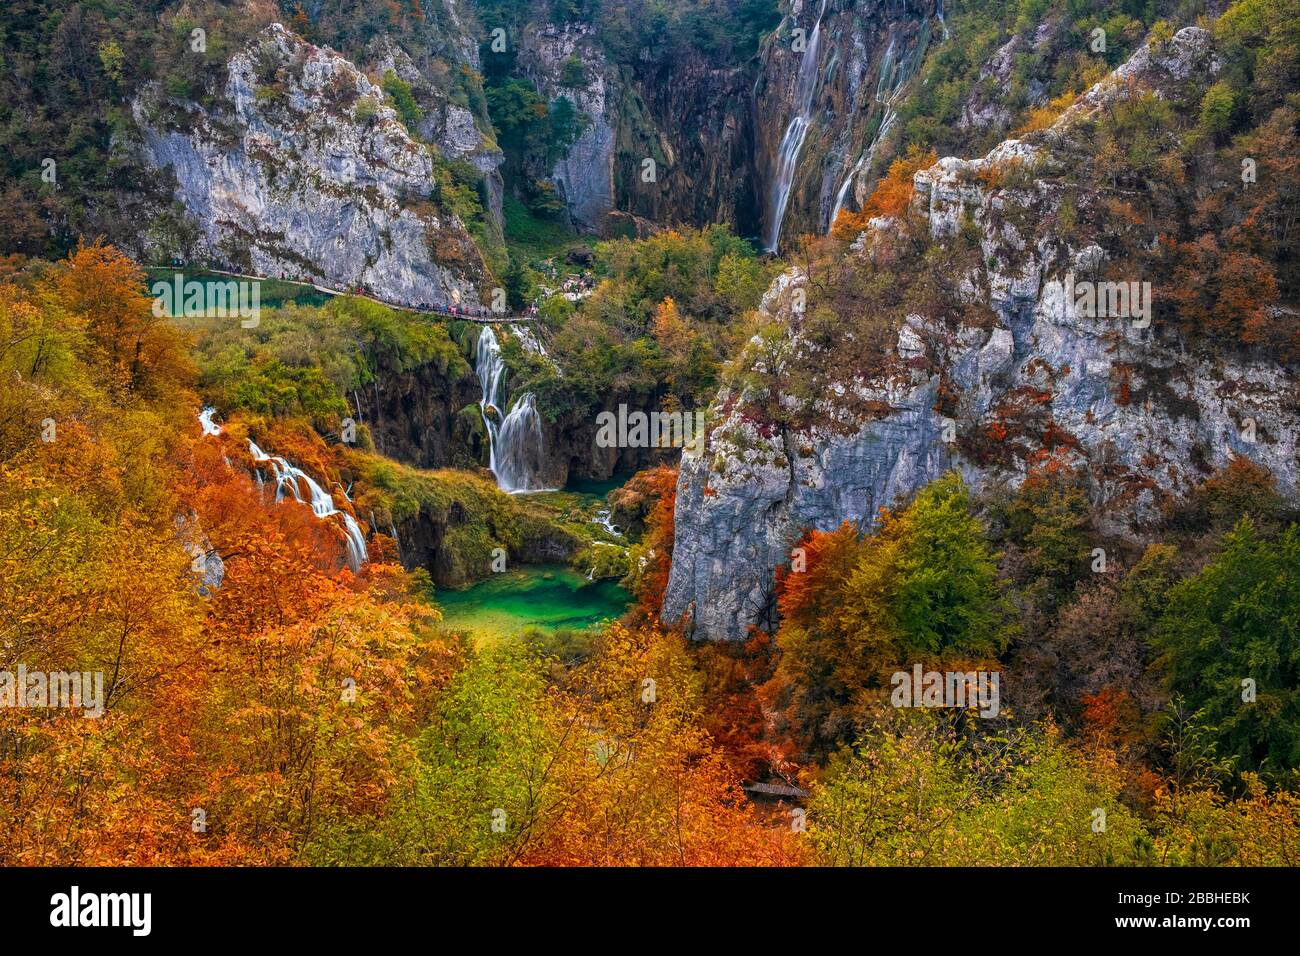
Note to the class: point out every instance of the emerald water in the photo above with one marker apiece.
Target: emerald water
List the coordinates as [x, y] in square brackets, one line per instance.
[595, 488]
[272, 294]
[551, 597]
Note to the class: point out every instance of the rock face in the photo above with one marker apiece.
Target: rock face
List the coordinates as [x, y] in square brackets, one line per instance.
[572, 449]
[866, 52]
[301, 170]
[446, 123]
[432, 539]
[584, 175]
[693, 118]
[1144, 418]
[426, 416]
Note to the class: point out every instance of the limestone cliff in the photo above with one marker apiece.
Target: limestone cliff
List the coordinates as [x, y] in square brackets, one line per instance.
[299, 168]
[1142, 414]
[843, 69]
[584, 174]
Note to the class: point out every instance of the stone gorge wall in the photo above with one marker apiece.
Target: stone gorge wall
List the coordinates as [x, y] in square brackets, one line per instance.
[714, 129]
[584, 175]
[744, 502]
[299, 170]
[446, 123]
[867, 52]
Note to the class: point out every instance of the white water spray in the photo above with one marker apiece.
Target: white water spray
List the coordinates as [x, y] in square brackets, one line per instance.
[293, 478]
[205, 419]
[795, 133]
[605, 518]
[517, 445]
[888, 87]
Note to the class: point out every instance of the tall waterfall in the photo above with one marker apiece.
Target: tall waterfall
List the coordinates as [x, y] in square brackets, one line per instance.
[893, 74]
[516, 446]
[293, 478]
[795, 133]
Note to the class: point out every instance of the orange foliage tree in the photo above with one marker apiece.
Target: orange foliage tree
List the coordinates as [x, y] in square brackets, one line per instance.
[892, 195]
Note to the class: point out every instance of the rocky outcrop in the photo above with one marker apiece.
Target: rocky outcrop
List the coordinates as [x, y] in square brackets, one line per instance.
[447, 123]
[573, 451]
[425, 416]
[584, 175]
[301, 170]
[689, 116]
[1125, 402]
[457, 526]
[694, 118]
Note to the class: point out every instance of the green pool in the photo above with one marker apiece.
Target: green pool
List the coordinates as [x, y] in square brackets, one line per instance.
[550, 597]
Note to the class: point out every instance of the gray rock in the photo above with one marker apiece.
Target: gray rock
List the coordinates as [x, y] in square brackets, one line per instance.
[749, 496]
[287, 177]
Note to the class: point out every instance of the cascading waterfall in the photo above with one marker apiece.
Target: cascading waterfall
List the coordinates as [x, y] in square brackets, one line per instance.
[293, 478]
[865, 160]
[518, 453]
[795, 133]
[515, 447]
[892, 77]
[205, 419]
[605, 518]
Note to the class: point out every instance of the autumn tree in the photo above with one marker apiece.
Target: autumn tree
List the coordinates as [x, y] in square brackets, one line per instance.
[922, 587]
[892, 195]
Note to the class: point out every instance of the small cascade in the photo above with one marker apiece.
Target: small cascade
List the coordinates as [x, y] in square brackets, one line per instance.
[517, 451]
[530, 340]
[288, 476]
[795, 133]
[515, 446]
[605, 518]
[491, 370]
[863, 162]
[205, 419]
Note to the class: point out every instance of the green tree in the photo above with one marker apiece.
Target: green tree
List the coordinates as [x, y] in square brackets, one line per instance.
[922, 589]
[479, 778]
[403, 100]
[573, 74]
[916, 794]
[1238, 620]
[928, 580]
[1217, 107]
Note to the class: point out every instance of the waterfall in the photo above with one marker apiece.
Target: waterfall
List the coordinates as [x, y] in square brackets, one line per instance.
[605, 518]
[205, 419]
[863, 161]
[491, 370]
[892, 77]
[792, 141]
[517, 455]
[516, 446]
[293, 478]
